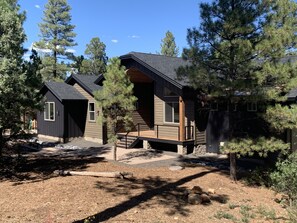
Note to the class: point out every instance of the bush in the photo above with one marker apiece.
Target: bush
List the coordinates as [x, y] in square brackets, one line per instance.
[260, 176]
[284, 178]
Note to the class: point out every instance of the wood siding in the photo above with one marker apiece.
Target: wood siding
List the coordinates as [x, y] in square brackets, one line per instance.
[75, 116]
[92, 128]
[52, 128]
[145, 102]
[171, 130]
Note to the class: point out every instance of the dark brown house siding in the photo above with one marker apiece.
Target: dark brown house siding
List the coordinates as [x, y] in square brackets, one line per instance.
[52, 128]
[144, 112]
[75, 116]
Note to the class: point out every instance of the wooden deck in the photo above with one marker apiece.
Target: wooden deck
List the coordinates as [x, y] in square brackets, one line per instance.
[151, 134]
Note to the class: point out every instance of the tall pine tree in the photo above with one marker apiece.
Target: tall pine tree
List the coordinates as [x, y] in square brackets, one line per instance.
[57, 36]
[168, 46]
[96, 59]
[239, 54]
[12, 76]
[116, 100]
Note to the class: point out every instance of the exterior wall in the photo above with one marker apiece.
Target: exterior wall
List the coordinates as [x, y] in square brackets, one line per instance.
[171, 130]
[144, 113]
[75, 117]
[52, 128]
[93, 130]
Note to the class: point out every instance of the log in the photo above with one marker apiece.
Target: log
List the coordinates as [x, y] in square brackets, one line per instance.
[115, 174]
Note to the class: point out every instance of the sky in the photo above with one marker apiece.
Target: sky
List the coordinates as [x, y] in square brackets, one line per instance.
[122, 25]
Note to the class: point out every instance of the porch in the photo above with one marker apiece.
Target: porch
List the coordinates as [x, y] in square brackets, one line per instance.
[157, 135]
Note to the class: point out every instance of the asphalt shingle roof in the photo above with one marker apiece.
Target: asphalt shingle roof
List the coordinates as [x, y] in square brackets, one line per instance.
[164, 66]
[64, 91]
[88, 81]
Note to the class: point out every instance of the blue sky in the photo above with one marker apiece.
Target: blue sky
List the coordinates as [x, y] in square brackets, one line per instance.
[123, 25]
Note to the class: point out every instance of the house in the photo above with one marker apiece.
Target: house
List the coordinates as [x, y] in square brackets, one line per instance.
[168, 112]
[70, 110]
[64, 112]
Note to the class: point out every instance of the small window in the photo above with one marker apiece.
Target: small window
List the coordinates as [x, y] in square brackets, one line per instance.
[172, 112]
[169, 93]
[252, 106]
[49, 111]
[92, 112]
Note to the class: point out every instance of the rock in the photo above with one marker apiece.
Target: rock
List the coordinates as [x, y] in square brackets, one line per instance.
[205, 199]
[175, 168]
[34, 139]
[211, 191]
[194, 199]
[196, 190]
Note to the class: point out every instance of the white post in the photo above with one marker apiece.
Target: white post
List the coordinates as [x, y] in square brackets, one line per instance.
[182, 150]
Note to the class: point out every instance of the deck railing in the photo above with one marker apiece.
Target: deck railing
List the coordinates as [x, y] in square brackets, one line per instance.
[189, 131]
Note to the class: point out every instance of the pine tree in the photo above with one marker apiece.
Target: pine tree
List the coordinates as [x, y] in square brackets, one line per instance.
[96, 59]
[12, 77]
[116, 100]
[240, 49]
[57, 36]
[168, 46]
[32, 84]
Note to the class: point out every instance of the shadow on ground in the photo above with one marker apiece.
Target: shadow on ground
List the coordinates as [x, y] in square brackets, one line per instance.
[153, 191]
[28, 166]
[147, 154]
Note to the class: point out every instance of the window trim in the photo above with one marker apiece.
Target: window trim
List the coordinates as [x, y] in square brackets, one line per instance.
[89, 112]
[164, 113]
[48, 108]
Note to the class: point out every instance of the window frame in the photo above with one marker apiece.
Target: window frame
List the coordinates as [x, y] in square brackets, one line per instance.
[89, 112]
[172, 112]
[47, 110]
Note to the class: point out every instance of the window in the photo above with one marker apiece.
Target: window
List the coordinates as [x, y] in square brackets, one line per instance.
[49, 111]
[252, 106]
[172, 112]
[92, 112]
[169, 93]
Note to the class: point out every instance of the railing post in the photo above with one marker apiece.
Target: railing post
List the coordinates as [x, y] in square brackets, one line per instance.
[157, 131]
[126, 141]
[178, 133]
[138, 130]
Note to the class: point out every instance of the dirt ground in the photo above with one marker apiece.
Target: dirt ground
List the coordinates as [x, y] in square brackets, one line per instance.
[34, 194]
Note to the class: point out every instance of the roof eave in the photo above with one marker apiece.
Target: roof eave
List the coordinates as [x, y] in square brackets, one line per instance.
[131, 56]
[86, 88]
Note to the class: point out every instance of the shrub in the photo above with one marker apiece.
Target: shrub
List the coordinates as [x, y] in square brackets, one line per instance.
[284, 178]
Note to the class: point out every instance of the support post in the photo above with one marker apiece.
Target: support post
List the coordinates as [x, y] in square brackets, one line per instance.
[182, 150]
[146, 144]
[181, 119]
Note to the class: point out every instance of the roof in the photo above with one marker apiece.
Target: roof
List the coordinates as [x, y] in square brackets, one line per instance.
[165, 66]
[64, 91]
[88, 82]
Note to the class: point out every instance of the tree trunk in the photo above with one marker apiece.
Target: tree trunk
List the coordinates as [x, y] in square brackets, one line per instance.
[55, 64]
[1, 141]
[114, 174]
[233, 171]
